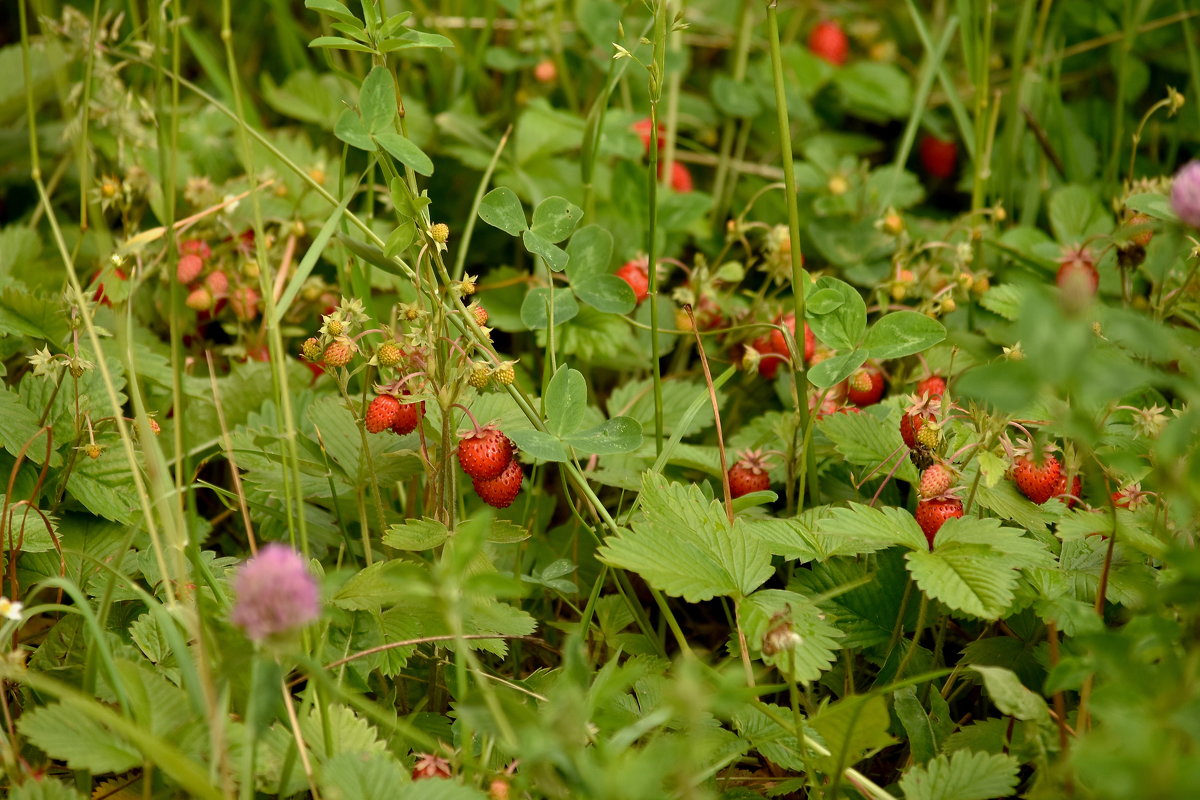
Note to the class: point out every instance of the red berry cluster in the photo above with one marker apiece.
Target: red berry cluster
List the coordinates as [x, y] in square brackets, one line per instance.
[488, 457]
[208, 283]
[773, 347]
[386, 412]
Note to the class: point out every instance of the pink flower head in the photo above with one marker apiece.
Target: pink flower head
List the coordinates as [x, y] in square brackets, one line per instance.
[275, 593]
[1185, 193]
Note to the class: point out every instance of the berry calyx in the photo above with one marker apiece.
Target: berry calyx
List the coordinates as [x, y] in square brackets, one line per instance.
[749, 474]
[484, 453]
[502, 490]
[637, 275]
[381, 413]
[430, 766]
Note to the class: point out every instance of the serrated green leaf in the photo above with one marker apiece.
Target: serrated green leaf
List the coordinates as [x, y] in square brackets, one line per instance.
[564, 400]
[969, 578]
[39, 317]
[966, 775]
[809, 655]
[873, 528]
[1011, 696]
[18, 427]
[534, 308]
[403, 150]
[613, 436]
[49, 789]
[364, 776]
[1154, 205]
[416, 534]
[924, 735]
[384, 583]
[686, 547]
[902, 333]
[555, 256]
[775, 743]
[501, 209]
[1018, 550]
[555, 218]
[81, 742]
[1004, 299]
[853, 728]
[866, 440]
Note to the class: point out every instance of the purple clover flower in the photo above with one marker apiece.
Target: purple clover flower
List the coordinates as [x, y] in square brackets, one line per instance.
[1185, 193]
[274, 593]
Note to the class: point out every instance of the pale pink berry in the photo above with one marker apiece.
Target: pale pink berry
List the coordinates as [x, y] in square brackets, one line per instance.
[189, 268]
[274, 593]
[218, 283]
[244, 302]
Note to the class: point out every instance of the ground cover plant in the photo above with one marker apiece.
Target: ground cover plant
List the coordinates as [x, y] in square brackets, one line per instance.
[600, 399]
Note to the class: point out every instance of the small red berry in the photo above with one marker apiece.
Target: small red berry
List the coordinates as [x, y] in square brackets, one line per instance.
[545, 71]
[500, 491]
[244, 302]
[828, 41]
[189, 268]
[932, 514]
[643, 128]
[195, 247]
[1069, 496]
[681, 178]
[408, 417]
[484, 453]
[338, 353]
[636, 274]
[218, 283]
[938, 156]
[381, 413]
[936, 480]
[748, 475]
[1037, 482]
[933, 386]
[865, 386]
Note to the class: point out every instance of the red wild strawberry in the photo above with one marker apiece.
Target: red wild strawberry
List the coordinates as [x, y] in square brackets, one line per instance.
[936, 480]
[635, 273]
[681, 178]
[484, 453]
[1077, 273]
[339, 352]
[408, 417]
[188, 268]
[1037, 482]
[545, 71]
[381, 413]
[776, 344]
[933, 512]
[865, 386]
[244, 302]
[920, 412]
[748, 475]
[934, 386]
[218, 283]
[195, 247]
[643, 128]
[828, 41]
[1069, 496]
[500, 491]
[938, 156]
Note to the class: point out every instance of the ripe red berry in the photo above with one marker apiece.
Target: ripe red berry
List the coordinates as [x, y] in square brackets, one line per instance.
[643, 128]
[748, 475]
[1038, 482]
[934, 386]
[1070, 496]
[865, 386]
[910, 424]
[936, 480]
[932, 514]
[681, 178]
[545, 71]
[218, 283]
[500, 491]
[381, 413]
[244, 302]
[636, 274]
[938, 156]
[195, 247]
[828, 41]
[408, 417]
[779, 345]
[484, 453]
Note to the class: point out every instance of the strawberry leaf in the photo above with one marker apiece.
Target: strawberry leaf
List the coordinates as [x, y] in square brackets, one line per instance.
[812, 654]
[966, 775]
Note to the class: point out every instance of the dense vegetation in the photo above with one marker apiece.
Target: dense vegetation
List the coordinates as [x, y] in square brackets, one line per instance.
[482, 398]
